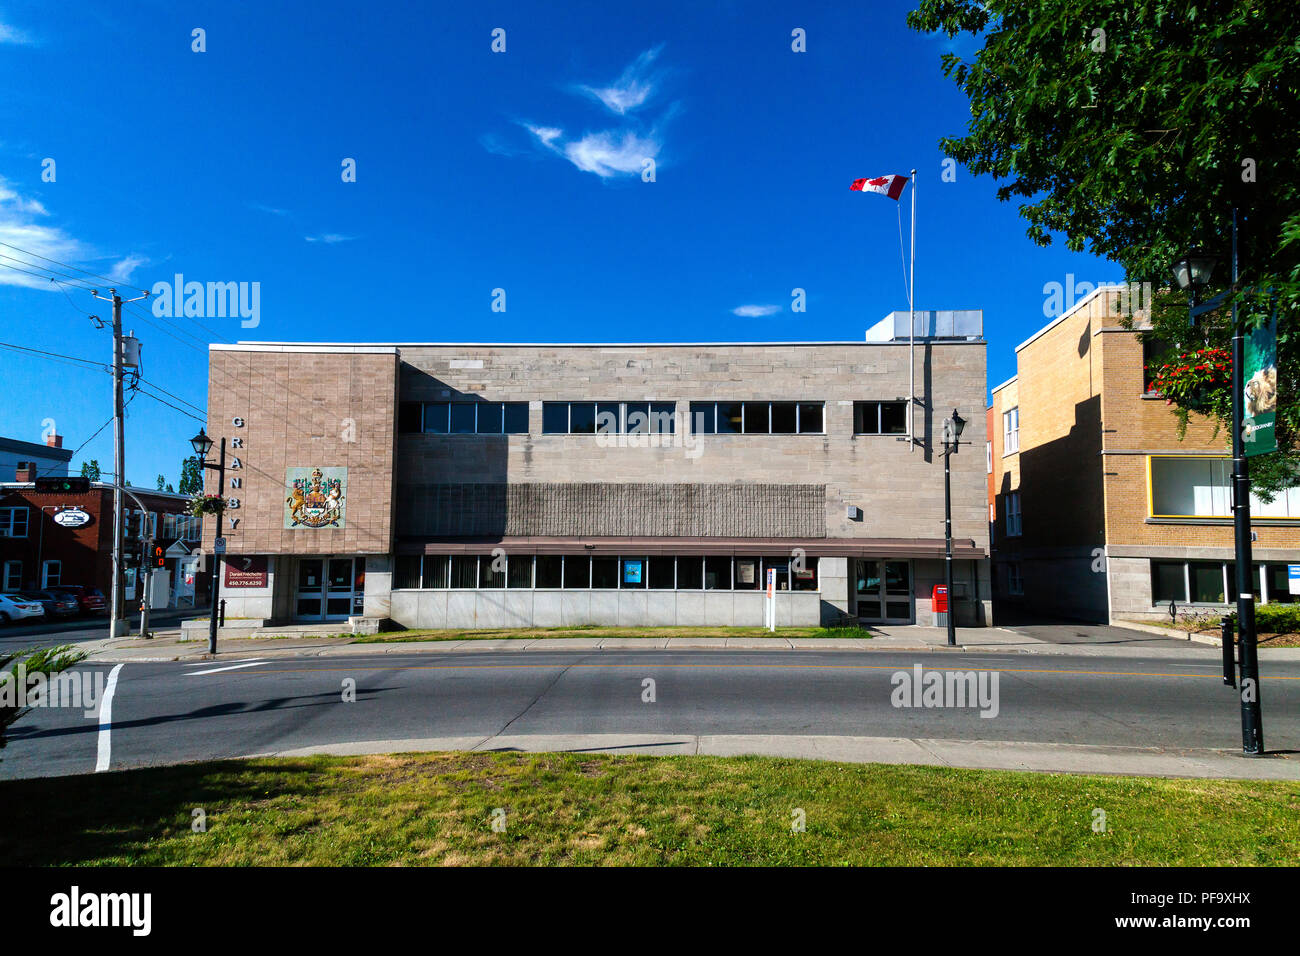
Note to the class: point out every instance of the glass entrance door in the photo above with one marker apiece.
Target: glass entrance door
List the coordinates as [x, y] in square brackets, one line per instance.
[883, 590]
[329, 589]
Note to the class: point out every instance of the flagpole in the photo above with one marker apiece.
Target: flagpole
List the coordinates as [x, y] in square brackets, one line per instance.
[911, 332]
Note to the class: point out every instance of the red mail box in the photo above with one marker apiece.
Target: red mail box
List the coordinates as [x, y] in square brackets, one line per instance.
[939, 599]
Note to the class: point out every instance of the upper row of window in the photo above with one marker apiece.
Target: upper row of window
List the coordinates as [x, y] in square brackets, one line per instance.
[659, 418]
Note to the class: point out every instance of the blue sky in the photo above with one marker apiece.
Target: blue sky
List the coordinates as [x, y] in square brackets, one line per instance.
[477, 171]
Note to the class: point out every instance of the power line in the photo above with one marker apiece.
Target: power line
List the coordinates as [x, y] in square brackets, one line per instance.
[54, 355]
[66, 275]
[38, 275]
[93, 275]
[140, 390]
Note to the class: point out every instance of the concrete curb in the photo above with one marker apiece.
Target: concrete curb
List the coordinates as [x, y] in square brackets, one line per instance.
[972, 754]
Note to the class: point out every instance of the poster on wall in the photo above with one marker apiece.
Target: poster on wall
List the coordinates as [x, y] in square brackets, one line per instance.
[316, 497]
[246, 571]
[1259, 403]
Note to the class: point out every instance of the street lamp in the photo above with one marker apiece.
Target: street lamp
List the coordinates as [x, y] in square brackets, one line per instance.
[202, 445]
[1192, 272]
[952, 429]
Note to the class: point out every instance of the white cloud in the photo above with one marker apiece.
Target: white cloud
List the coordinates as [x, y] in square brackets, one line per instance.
[612, 154]
[262, 207]
[329, 238]
[547, 134]
[755, 311]
[632, 89]
[10, 34]
[19, 227]
[122, 270]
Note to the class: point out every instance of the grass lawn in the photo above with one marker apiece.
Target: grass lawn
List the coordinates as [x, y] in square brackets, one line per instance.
[592, 631]
[583, 809]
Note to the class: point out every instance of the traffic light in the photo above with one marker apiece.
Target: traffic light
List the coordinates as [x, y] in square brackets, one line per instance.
[159, 559]
[65, 486]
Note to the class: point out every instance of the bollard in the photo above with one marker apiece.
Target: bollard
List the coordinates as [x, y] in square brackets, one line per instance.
[1229, 658]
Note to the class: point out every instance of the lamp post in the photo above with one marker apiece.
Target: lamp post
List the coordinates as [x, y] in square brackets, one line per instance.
[1193, 272]
[202, 446]
[952, 429]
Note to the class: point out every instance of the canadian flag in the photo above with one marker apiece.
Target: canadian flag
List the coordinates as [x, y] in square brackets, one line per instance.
[891, 186]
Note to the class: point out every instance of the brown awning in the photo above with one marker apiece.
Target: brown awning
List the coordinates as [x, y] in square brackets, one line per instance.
[964, 549]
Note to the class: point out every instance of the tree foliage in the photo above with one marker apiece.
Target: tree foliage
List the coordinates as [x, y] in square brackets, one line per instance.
[191, 476]
[90, 469]
[1133, 130]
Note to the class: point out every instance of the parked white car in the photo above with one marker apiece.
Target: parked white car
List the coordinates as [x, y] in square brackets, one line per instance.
[15, 607]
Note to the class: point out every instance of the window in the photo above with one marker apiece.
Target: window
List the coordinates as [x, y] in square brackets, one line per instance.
[549, 571]
[1188, 487]
[577, 571]
[988, 460]
[717, 574]
[406, 571]
[13, 522]
[13, 575]
[1015, 583]
[1011, 432]
[782, 568]
[572, 572]
[661, 574]
[757, 418]
[470, 418]
[437, 571]
[464, 570]
[805, 578]
[880, 418]
[1013, 514]
[1193, 582]
[519, 571]
[633, 574]
[608, 418]
[604, 573]
[690, 574]
[1155, 353]
[747, 575]
[1168, 582]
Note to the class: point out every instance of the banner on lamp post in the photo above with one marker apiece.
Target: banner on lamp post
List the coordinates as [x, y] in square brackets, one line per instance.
[1259, 401]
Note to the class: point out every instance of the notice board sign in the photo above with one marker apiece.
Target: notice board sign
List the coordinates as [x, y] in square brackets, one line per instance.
[247, 571]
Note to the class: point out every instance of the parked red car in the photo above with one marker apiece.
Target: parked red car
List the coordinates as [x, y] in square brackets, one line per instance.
[89, 600]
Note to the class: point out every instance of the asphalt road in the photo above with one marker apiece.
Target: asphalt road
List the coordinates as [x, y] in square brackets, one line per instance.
[40, 632]
[167, 712]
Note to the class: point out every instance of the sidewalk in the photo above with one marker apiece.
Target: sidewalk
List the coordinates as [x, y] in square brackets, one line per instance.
[924, 751]
[167, 646]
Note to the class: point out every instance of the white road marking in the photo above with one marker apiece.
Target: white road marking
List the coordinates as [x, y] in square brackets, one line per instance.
[210, 663]
[232, 667]
[106, 721]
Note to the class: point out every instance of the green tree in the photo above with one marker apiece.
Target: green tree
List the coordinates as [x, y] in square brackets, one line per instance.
[1132, 130]
[191, 476]
[90, 469]
[162, 482]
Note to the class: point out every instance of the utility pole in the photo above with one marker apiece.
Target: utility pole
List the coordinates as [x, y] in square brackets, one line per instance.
[115, 608]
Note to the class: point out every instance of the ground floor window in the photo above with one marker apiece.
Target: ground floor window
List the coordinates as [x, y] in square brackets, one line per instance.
[1015, 583]
[601, 572]
[51, 574]
[13, 575]
[1215, 582]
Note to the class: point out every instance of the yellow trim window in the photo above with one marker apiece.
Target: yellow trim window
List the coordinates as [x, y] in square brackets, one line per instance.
[1200, 486]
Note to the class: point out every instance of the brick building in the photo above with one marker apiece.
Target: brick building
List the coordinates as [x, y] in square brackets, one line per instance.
[1097, 510]
[488, 485]
[39, 551]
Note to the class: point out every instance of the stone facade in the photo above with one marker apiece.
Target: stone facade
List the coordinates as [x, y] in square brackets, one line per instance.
[835, 494]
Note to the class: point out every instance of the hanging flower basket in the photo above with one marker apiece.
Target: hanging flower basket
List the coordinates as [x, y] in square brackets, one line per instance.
[201, 505]
[1196, 381]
